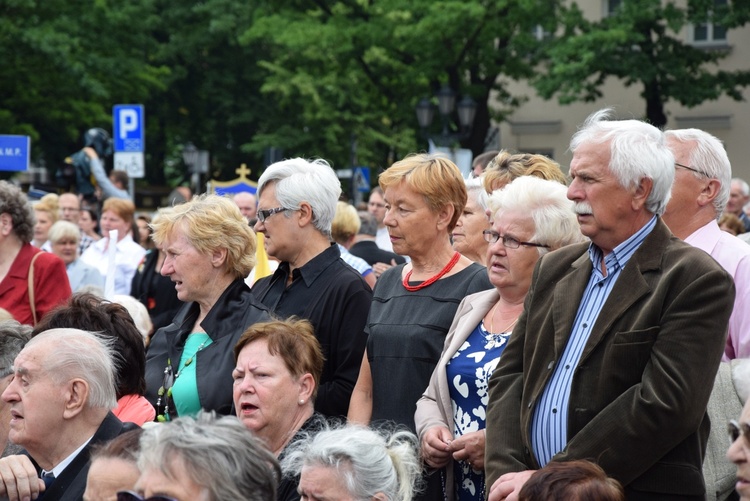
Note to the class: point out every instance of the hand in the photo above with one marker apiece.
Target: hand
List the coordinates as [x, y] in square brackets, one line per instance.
[90, 152]
[436, 446]
[470, 447]
[379, 268]
[19, 479]
[507, 487]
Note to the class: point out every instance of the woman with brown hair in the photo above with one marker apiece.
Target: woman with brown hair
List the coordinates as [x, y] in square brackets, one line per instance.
[25, 271]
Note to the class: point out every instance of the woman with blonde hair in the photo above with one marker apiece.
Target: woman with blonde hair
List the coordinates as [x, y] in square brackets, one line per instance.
[117, 214]
[506, 167]
[344, 228]
[209, 250]
[46, 213]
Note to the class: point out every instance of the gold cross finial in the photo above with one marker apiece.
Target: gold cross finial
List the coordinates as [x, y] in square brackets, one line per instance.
[243, 171]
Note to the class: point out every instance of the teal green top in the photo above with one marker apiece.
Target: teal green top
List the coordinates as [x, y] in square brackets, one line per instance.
[185, 388]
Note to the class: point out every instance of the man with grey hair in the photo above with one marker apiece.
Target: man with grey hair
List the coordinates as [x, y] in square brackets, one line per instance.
[739, 195]
[60, 401]
[699, 194]
[614, 355]
[13, 337]
[296, 205]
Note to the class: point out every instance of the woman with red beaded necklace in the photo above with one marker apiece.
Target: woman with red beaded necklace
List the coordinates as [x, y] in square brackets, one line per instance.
[414, 304]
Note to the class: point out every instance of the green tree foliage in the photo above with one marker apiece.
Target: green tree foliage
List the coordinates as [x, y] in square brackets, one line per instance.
[642, 44]
[338, 70]
[66, 62]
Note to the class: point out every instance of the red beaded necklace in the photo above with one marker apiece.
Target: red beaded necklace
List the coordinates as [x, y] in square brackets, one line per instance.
[431, 280]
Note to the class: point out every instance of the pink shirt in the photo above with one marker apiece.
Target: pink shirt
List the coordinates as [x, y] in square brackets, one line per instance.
[734, 256]
[134, 409]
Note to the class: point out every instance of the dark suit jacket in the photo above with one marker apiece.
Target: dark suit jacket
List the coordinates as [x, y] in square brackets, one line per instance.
[370, 252]
[638, 397]
[71, 484]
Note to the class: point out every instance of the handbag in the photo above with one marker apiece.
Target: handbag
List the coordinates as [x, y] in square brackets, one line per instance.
[31, 288]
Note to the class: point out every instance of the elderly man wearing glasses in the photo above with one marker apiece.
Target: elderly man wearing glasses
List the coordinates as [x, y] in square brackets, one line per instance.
[700, 194]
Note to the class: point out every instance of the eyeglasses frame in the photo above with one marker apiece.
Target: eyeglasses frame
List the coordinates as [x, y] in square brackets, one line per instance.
[491, 237]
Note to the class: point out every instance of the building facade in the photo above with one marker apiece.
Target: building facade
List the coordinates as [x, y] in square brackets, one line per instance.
[540, 126]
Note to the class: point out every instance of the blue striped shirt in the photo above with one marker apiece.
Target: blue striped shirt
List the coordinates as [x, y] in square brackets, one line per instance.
[549, 425]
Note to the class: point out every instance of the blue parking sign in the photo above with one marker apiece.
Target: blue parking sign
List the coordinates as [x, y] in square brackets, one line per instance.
[129, 127]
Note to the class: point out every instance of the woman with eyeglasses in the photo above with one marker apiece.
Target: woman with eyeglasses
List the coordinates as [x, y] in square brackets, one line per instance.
[531, 216]
[209, 250]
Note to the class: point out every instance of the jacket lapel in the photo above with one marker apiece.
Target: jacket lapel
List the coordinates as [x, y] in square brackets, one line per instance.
[567, 297]
[630, 287]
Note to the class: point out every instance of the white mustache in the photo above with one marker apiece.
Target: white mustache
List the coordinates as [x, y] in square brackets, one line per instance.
[582, 208]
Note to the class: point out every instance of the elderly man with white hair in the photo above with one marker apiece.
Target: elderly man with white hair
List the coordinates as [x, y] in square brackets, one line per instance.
[700, 193]
[60, 401]
[296, 205]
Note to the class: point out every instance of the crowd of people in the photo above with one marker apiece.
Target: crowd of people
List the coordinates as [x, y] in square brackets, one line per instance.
[524, 334]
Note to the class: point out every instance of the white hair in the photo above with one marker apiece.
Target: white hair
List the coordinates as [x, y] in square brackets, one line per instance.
[138, 313]
[368, 461]
[86, 355]
[744, 188]
[475, 189]
[710, 158]
[637, 150]
[298, 180]
[546, 202]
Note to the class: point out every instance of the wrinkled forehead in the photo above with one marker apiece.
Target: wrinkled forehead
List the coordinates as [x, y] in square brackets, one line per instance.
[32, 359]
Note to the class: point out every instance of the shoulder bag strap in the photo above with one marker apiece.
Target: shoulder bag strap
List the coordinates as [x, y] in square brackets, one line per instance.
[31, 287]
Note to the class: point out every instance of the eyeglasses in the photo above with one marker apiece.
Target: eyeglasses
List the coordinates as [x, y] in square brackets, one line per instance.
[691, 169]
[132, 496]
[508, 242]
[734, 429]
[265, 214]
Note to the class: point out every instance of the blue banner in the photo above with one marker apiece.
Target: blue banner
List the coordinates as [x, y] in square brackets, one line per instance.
[14, 153]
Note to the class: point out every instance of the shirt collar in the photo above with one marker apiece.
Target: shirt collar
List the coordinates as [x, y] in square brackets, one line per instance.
[314, 267]
[58, 469]
[621, 254]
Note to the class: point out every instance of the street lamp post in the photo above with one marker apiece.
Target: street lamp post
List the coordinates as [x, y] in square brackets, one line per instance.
[446, 98]
[197, 163]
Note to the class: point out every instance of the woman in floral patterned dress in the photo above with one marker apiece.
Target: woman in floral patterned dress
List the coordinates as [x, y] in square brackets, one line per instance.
[531, 217]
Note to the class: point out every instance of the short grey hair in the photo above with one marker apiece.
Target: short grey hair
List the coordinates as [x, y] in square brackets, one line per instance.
[546, 202]
[14, 203]
[369, 461]
[710, 158]
[13, 337]
[85, 355]
[637, 150]
[218, 453]
[298, 180]
[475, 189]
[744, 188]
[369, 225]
[63, 229]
